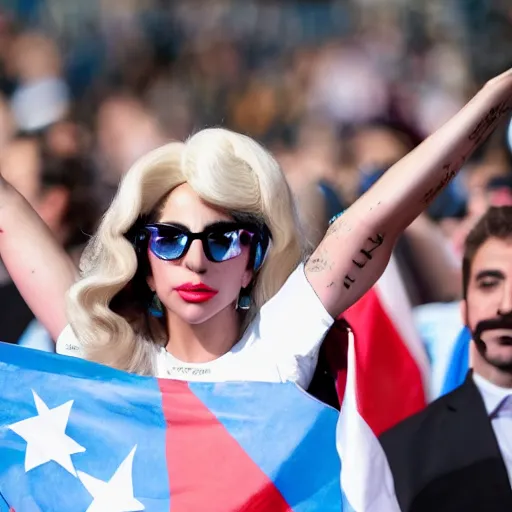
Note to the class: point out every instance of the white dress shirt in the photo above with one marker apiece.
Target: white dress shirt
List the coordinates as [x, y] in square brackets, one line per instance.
[498, 403]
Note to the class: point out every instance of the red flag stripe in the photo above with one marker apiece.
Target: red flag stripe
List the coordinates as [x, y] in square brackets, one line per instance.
[395, 301]
[389, 381]
[208, 469]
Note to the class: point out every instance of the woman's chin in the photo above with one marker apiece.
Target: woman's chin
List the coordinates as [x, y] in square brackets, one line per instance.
[195, 314]
[201, 312]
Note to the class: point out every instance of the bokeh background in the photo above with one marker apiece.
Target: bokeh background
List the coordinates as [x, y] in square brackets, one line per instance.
[338, 90]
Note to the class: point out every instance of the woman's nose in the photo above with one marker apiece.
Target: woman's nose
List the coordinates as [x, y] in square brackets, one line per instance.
[195, 259]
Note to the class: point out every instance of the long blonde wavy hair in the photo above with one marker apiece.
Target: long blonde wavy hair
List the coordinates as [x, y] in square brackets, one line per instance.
[225, 169]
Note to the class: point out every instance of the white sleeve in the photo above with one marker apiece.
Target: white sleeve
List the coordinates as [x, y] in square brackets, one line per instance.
[294, 322]
[68, 344]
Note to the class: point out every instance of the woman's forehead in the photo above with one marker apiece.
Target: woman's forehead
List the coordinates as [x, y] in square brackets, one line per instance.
[185, 207]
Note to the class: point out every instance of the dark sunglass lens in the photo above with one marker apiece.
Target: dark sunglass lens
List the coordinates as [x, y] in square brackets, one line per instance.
[168, 246]
[224, 245]
[245, 237]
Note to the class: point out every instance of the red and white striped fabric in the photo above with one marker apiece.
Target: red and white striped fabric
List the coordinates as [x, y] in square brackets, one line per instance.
[383, 382]
[390, 361]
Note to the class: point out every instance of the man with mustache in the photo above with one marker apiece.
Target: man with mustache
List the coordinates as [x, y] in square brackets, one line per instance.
[456, 455]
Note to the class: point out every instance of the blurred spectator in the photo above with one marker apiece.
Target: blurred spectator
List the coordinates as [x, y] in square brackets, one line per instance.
[125, 130]
[41, 96]
[347, 88]
[339, 90]
[6, 37]
[6, 123]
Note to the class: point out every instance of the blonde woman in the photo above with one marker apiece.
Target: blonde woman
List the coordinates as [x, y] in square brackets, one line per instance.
[198, 271]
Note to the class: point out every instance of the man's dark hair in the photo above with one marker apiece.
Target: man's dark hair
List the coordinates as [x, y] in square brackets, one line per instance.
[495, 223]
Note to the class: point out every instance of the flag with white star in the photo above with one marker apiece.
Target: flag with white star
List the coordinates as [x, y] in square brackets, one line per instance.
[75, 435]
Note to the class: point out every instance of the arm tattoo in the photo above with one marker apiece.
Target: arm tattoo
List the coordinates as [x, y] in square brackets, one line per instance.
[368, 252]
[375, 242]
[339, 224]
[319, 263]
[487, 124]
[348, 282]
[482, 130]
[450, 173]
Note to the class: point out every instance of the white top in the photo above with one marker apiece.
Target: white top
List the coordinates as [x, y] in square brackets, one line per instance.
[498, 403]
[281, 344]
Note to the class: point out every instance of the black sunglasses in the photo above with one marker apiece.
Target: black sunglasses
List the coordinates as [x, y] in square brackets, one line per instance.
[221, 241]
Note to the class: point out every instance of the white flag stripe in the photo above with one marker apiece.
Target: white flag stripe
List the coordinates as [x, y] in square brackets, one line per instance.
[366, 479]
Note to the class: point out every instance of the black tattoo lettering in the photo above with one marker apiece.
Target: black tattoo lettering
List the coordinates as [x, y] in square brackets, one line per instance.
[348, 281]
[357, 264]
[376, 242]
[368, 252]
[321, 262]
[481, 131]
[432, 193]
[487, 124]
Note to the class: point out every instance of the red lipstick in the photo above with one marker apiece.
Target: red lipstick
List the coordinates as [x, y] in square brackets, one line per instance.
[196, 293]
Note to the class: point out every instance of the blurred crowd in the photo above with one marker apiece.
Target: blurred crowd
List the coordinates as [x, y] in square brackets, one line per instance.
[338, 90]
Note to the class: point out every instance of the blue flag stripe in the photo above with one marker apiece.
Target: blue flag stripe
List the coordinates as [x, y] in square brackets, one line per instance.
[3, 504]
[111, 414]
[459, 362]
[291, 438]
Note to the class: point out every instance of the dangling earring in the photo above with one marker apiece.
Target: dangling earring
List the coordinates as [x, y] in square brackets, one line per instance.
[155, 308]
[244, 300]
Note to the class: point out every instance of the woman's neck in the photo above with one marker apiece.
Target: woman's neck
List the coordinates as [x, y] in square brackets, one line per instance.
[206, 341]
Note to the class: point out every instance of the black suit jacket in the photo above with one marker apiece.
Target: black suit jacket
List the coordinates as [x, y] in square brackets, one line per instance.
[446, 458]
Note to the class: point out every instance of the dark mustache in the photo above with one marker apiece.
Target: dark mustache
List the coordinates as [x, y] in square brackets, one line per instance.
[503, 322]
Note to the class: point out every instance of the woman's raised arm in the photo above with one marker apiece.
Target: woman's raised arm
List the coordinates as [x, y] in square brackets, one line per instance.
[36, 262]
[356, 248]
